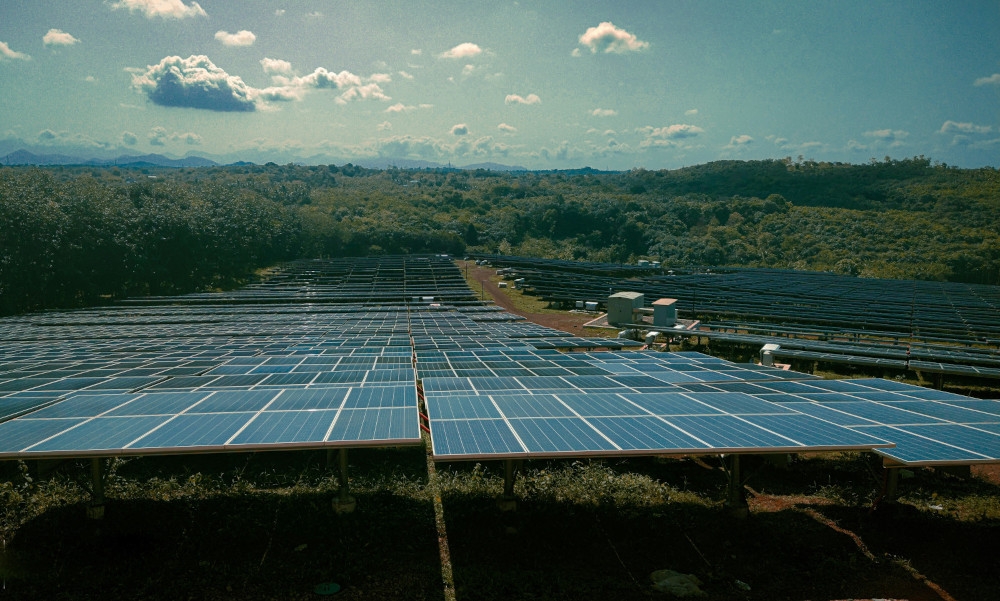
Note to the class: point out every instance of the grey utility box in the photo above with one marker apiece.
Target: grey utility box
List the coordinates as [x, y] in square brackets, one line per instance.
[621, 304]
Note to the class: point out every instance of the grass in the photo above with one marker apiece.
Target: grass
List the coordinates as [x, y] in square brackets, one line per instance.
[260, 526]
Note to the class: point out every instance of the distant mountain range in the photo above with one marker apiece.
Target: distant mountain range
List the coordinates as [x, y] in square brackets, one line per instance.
[26, 157]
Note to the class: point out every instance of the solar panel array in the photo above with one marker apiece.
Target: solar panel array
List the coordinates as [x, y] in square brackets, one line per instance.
[903, 324]
[278, 369]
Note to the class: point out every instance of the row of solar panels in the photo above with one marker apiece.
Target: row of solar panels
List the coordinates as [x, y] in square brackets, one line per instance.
[492, 391]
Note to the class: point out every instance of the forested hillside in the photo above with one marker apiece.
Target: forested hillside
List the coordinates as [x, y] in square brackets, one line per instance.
[73, 236]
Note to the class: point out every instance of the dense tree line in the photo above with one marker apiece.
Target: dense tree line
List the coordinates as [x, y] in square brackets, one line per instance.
[72, 236]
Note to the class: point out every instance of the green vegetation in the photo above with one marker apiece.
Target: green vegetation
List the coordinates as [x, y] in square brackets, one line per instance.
[72, 236]
[260, 526]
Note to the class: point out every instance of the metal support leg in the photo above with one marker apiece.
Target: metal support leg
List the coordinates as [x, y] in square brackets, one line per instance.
[95, 509]
[891, 485]
[344, 503]
[736, 500]
[507, 502]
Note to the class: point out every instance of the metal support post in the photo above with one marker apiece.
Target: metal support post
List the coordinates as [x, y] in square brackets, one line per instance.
[344, 503]
[736, 500]
[95, 509]
[507, 502]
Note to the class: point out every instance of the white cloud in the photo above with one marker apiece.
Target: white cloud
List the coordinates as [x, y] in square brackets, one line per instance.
[90, 79]
[690, 112]
[459, 130]
[894, 138]
[399, 107]
[739, 143]
[669, 135]
[166, 9]
[992, 80]
[384, 126]
[7, 54]
[464, 50]
[510, 129]
[965, 128]
[380, 78]
[279, 12]
[604, 112]
[405, 75]
[609, 39]
[129, 139]
[65, 138]
[276, 65]
[240, 38]
[416, 52]
[158, 136]
[58, 37]
[314, 15]
[516, 99]
[468, 69]
[194, 82]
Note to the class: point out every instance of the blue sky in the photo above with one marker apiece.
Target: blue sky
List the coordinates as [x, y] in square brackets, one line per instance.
[538, 84]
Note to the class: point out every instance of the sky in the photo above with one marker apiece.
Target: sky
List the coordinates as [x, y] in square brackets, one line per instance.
[541, 85]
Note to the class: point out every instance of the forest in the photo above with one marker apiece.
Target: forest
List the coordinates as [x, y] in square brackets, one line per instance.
[77, 236]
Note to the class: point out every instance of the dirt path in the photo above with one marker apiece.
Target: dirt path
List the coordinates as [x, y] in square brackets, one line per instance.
[565, 322]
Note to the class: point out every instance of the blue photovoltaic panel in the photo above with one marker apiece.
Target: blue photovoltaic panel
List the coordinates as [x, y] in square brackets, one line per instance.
[368, 398]
[376, 425]
[234, 401]
[194, 430]
[829, 413]
[159, 403]
[811, 432]
[99, 434]
[473, 438]
[728, 432]
[462, 407]
[559, 435]
[645, 433]
[313, 398]
[524, 405]
[287, 427]
[911, 448]
[884, 414]
[600, 405]
[948, 412]
[19, 434]
[737, 403]
[670, 403]
[83, 406]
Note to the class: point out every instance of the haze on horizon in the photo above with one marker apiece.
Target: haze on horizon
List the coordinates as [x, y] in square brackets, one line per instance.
[607, 85]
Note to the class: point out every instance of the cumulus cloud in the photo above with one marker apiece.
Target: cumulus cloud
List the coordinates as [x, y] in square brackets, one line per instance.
[460, 130]
[894, 138]
[65, 138]
[690, 112]
[609, 39]
[384, 126]
[58, 37]
[399, 107]
[158, 136]
[279, 12]
[405, 75]
[166, 9]
[380, 77]
[7, 54]
[464, 50]
[992, 80]
[240, 38]
[516, 99]
[669, 135]
[129, 139]
[739, 143]
[603, 112]
[276, 65]
[194, 82]
[966, 128]
[510, 129]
